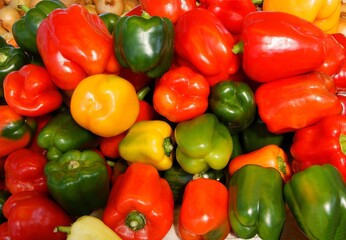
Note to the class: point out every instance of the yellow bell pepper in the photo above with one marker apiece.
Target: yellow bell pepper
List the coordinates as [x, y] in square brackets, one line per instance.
[105, 104]
[148, 142]
[325, 14]
[88, 228]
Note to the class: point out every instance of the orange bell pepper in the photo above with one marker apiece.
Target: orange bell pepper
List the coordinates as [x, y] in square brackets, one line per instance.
[268, 156]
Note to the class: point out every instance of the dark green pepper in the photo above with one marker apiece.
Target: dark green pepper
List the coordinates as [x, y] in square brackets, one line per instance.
[144, 44]
[233, 102]
[79, 181]
[256, 202]
[316, 197]
[62, 134]
[25, 30]
[110, 19]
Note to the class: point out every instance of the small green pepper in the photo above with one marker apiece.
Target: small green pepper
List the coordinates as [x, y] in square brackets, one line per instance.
[110, 19]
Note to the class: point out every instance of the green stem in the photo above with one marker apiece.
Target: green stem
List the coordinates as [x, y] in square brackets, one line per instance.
[238, 47]
[143, 92]
[257, 2]
[24, 8]
[145, 15]
[64, 229]
[167, 146]
[281, 165]
[342, 141]
[135, 220]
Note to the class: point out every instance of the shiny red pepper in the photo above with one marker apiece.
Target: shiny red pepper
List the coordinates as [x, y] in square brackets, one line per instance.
[340, 77]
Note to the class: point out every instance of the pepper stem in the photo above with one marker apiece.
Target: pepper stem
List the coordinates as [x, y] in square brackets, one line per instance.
[23, 7]
[167, 146]
[238, 47]
[342, 141]
[135, 220]
[64, 229]
[145, 15]
[143, 92]
[257, 2]
[73, 164]
[281, 165]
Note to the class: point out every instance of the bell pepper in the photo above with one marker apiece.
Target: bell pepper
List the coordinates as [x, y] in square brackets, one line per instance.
[203, 213]
[286, 44]
[171, 9]
[181, 94]
[203, 43]
[15, 131]
[270, 155]
[324, 14]
[202, 143]
[230, 12]
[34, 215]
[70, 55]
[321, 143]
[78, 181]
[234, 104]
[30, 91]
[140, 205]
[4, 195]
[293, 103]
[105, 104]
[88, 228]
[149, 142]
[144, 44]
[256, 203]
[316, 198]
[62, 133]
[24, 171]
[110, 19]
[4, 234]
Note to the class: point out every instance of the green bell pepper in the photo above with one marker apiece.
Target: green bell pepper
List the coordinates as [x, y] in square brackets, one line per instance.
[316, 197]
[62, 134]
[144, 44]
[202, 143]
[79, 181]
[233, 102]
[256, 202]
[110, 19]
[25, 29]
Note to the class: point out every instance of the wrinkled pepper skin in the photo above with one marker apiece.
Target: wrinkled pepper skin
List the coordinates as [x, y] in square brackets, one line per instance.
[78, 181]
[321, 143]
[142, 211]
[203, 213]
[148, 142]
[70, 55]
[316, 198]
[289, 104]
[286, 44]
[144, 44]
[324, 14]
[234, 104]
[202, 143]
[256, 203]
[25, 30]
[62, 133]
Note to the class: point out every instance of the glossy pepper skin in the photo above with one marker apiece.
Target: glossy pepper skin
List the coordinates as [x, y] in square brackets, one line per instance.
[256, 203]
[203, 43]
[25, 30]
[321, 143]
[304, 198]
[34, 215]
[234, 104]
[281, 41]
[30, 91]
[181, 94]
[293, 103]
[148, 142]
[71, 55]
[144, 44]
[62, 133]
[105, 104]
[203, 213]
[324, 14]
[202, 143]
[142, 211]
[78, 181]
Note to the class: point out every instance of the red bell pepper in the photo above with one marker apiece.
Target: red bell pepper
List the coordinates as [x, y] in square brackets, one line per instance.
[230, 12]
[4, 234]
[34, 215]
[74, 44]
[181, 94]
[171, 9]
[321, 143]
[204, 210]
[293, 103]
[15, 131]
[24, 171]
[203, 43]
[278, 45]
[31, 92]
[140, 205]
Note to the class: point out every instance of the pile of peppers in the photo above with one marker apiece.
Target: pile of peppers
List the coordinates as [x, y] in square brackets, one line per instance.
[216, 117]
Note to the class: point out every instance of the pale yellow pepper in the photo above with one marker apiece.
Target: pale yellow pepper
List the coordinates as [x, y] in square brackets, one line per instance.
[324, 14]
